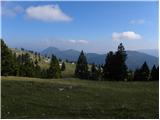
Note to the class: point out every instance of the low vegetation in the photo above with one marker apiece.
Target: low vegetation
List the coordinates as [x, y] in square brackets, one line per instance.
[34, 86]
[74, 98]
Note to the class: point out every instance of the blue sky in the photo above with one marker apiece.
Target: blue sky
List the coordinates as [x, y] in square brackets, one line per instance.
[91, 26]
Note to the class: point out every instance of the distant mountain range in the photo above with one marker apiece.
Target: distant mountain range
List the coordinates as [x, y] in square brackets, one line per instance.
[134, 58]
[153, 52]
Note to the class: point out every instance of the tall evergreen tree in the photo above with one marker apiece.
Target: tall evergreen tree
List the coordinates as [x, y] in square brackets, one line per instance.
[137, 75]
[37, 69]
[121, 67]
[54, 70]
[108, 68]
[142, 74]
[81, 70]
[153, 73]
[157, 73]
[8, 64]
[63, 66]
[115, 67]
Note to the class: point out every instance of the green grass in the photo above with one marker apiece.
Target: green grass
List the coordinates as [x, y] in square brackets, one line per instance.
[69, 71]
[73, 98]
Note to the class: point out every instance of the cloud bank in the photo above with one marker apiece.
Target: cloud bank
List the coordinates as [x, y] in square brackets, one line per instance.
[48, 13]
[12, 11]
[139, 21]
[79, 41]
[129, 35]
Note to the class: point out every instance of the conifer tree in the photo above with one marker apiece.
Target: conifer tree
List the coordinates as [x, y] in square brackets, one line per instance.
[63, 66]
[157, 73]
[54, 70]
[37, 69]
[109, 66]
[115, 67]
[81, 70]
[94, 72]
[8, 63]
[137, 75]
[121, 67]
[153, 73]
[144, 72]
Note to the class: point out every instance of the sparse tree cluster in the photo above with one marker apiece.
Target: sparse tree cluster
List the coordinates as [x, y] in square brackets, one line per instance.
[23, 65]
[54, 70]
[81, 70]
[114, 68]
[144, 74]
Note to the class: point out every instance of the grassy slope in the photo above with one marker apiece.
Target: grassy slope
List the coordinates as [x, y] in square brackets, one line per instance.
[74, 98]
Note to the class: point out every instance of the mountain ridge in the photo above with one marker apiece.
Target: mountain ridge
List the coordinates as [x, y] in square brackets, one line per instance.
[134, 58]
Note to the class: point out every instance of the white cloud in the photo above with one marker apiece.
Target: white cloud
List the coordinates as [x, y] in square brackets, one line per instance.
[72, 41]
[48, 13]
[129, 35]
[12, 11]
[138, 21]
[79, 41]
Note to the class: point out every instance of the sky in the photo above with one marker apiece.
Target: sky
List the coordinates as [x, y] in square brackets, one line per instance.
[90, 26]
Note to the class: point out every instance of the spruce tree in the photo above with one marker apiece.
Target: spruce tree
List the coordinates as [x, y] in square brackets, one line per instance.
[54, 70]
[153, 73]
[115, 67]
[137, 75]
[37, 69]
[81, 70]
[94, 72]
[63, 66]
[121, 67]
[8, 64]
[157, 73]
[144, 72]
[108, 68]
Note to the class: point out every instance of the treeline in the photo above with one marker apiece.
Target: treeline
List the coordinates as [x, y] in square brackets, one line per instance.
[23, 65]
[114, 68]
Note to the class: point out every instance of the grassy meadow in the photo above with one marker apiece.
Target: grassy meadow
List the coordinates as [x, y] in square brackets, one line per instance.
[70, 97]
[74, 98]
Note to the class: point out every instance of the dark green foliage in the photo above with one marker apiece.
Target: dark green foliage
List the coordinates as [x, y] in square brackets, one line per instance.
[142, 74]
[54, 70]
[44, 73]
[81, 70]
[115, 67]
[21, 65]
[9, 65]
[130, 75]
[145, 71]
[157, 73]
[99, 73]
[63, 66]
[37, 69]
[121, 68]
[137, 75]
[153, 73]
[108, 68]
[39, 56]
[27, 67]
[94, 72]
